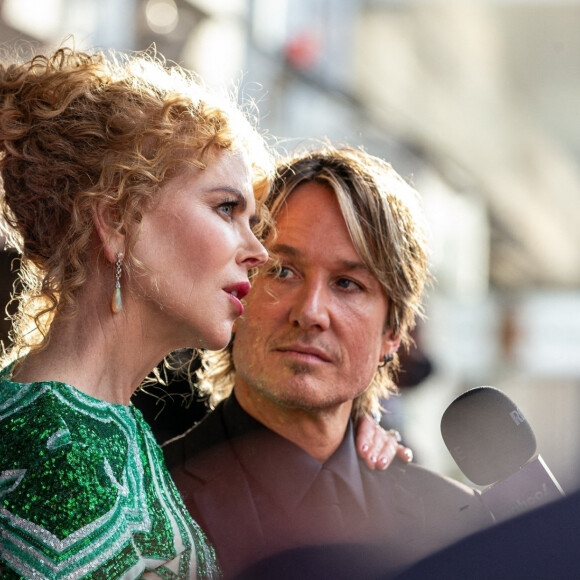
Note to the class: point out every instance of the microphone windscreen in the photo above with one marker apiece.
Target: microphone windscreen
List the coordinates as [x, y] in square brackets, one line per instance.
[487, 435]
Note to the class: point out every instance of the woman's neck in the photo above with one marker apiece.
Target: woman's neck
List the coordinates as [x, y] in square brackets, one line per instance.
[104, 359]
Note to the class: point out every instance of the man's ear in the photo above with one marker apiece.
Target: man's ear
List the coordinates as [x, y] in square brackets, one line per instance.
[109, 230]
[391, 342]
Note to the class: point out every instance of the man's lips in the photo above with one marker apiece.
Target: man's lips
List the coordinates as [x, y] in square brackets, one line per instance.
[305, 351]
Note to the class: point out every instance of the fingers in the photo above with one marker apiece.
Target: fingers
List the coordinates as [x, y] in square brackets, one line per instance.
[365, 430]
[404, 453]
[377, 446]
[383, 451]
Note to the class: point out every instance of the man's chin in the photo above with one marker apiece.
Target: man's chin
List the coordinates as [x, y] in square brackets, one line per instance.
[309, 402]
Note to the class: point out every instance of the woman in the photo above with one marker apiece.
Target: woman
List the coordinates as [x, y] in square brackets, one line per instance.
[129, 191]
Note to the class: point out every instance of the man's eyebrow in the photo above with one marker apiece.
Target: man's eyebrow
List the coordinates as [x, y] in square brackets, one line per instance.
[284, 249]
[292, 252]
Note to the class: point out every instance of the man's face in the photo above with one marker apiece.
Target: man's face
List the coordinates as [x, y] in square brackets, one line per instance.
[313, 332]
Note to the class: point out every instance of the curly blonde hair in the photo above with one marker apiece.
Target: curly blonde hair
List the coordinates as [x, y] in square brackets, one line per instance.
[78, 128]
[385, 220]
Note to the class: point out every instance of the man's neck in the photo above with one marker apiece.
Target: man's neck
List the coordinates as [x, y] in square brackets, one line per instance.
[319, 432]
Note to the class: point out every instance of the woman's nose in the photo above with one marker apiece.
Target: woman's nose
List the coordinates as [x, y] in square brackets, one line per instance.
[256, 254]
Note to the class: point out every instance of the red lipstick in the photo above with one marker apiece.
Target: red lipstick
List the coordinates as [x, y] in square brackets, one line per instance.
[236, 293]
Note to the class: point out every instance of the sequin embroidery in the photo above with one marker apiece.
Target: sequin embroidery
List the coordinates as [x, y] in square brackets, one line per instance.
[84, 492]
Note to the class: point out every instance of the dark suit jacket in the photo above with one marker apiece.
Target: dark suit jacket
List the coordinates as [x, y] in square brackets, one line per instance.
[414, 511]
[542, 544]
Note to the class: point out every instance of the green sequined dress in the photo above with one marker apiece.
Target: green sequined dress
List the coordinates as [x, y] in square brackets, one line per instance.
[84, 492]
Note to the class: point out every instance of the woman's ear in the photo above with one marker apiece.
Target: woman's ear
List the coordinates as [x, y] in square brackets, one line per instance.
[109, 230]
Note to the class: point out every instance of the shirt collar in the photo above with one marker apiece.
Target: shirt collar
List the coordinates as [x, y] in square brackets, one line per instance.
[280, 466]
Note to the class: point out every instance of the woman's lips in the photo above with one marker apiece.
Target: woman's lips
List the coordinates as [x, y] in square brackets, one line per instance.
[239, 290]
[236, 292]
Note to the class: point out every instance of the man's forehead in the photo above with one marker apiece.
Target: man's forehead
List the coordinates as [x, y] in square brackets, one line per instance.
[310, 225]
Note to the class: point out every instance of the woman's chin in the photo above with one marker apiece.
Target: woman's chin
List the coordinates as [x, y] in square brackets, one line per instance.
[215, 341]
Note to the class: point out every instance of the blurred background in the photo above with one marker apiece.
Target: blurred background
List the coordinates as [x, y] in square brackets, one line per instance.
[475, 103]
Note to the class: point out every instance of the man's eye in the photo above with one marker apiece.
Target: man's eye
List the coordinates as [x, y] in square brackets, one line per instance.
[347, 284]
[278, 271]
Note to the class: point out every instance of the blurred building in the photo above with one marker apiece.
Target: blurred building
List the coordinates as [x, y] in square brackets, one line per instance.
[474, 102]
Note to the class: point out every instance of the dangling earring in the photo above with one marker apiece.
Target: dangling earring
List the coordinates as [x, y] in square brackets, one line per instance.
[387, 358]
[117, 302]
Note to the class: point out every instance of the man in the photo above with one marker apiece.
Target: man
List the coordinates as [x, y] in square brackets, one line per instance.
[315, 349]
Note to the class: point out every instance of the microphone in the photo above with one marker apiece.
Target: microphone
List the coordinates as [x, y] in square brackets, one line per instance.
[493, 444]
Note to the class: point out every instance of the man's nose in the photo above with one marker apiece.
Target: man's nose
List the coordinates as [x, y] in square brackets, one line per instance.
[311, 306]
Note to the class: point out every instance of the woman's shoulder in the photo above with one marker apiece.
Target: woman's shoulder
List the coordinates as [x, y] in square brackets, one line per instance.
[60, 452]
[55, 451]
[77, 472]
[29, 413]
[42, 413]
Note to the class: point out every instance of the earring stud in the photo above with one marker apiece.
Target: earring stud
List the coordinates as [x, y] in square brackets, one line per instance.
[387, 358]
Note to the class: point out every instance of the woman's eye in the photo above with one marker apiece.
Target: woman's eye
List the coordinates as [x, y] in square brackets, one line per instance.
[227, 208]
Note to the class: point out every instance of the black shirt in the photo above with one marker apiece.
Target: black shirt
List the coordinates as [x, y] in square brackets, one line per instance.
[322, 502]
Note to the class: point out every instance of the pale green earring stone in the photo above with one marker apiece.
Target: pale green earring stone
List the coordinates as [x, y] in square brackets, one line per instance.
[117, 302]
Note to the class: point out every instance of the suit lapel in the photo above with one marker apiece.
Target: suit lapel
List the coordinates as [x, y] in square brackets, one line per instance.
[395, 511]
[219, 498]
